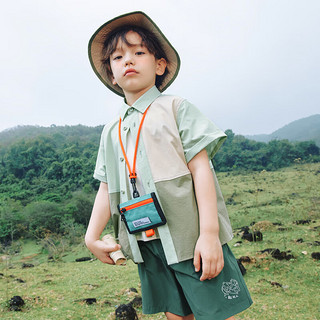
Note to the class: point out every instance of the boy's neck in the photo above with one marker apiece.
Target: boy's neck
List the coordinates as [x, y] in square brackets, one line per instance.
[132, 97]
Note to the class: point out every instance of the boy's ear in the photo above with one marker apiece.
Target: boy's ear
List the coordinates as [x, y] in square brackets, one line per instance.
[161, 66]
[114, 82]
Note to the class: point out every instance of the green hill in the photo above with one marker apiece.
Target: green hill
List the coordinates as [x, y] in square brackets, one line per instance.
[46, 173]
[61, 134]
[305, 129]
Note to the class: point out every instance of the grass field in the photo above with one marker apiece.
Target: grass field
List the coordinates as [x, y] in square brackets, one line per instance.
[269, 202]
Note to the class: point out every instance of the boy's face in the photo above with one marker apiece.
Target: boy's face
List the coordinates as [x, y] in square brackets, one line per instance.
[133, 67]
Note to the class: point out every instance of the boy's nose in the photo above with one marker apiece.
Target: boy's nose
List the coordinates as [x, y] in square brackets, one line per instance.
[128, 60]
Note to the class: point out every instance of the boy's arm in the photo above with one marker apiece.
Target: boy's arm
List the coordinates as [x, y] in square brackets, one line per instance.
[208, 248]
[99, 218]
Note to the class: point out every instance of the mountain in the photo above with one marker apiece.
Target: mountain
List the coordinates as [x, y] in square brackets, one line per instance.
[61, 134]
[304, 129]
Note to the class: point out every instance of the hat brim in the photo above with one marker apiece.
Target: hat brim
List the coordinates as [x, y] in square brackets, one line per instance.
[139, 19]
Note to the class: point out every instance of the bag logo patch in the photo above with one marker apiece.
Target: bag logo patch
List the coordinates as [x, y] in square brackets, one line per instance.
[141, 222]
[230, 289]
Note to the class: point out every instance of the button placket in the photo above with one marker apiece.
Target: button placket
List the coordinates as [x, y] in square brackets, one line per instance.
[141, 162]
[122, 163]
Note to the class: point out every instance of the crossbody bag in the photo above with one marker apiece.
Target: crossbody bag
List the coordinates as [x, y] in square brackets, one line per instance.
[142, 213]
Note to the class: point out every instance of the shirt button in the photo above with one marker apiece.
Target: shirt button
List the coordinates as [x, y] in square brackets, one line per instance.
[122, 192]
[130, 110]
[125, 128]
[121, 159]
[134, 124]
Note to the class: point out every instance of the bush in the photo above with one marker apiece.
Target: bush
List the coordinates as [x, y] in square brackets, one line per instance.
[43, 216]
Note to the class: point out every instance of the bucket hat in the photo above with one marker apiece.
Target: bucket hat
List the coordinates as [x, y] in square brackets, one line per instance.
[136, 18]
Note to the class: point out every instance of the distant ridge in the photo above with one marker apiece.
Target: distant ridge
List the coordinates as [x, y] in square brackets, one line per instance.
[27, 132]
[304, 129]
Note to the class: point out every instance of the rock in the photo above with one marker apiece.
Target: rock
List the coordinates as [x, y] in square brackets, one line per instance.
[133, 290]
[300, 240]
[136, 302]
[27, 265]
[15, 303]
[303, 221]
[276, 284]
[316, 243]
[90, 300]
[252, 236]
[20, 280]
[315, 255]
[277, 254]
[241, 267]
[245, 259]
[126, 312]
[83, 259]
[282, 255]
[245, 229]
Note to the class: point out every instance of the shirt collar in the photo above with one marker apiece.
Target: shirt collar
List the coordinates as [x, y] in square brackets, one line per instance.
[142, 103]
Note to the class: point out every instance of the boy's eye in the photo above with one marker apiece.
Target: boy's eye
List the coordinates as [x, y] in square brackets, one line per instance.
[139, 53]
[117, 57]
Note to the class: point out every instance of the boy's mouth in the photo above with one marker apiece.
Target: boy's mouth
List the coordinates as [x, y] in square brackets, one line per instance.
[130, 71]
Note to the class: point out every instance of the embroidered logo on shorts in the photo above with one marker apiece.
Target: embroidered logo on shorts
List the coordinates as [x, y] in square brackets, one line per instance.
[230, 289]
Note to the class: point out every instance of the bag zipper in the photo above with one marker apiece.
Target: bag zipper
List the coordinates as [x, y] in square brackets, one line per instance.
[136, 205]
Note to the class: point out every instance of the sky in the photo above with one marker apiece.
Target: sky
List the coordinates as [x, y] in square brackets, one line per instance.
[249, 65]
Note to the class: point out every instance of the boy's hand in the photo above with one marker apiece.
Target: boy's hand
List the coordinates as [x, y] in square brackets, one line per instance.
[102, 251]
[208, 251]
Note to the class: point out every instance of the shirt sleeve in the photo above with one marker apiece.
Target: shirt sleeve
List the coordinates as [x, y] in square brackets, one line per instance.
[100, 172]
[197, 132]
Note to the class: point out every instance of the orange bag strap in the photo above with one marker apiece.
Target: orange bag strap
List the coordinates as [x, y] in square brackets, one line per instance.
[132, 173]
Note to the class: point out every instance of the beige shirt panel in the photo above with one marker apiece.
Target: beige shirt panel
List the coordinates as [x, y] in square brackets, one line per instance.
[167, 160]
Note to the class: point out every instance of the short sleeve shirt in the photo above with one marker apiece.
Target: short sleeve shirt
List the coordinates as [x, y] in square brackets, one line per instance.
[173, 132]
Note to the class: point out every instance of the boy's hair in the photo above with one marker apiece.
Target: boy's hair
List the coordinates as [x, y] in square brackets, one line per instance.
[149, 40]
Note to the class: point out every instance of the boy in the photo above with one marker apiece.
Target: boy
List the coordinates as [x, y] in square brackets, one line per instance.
[185, 265]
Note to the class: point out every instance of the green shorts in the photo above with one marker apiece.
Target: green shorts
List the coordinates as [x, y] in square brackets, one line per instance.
[177, 289]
